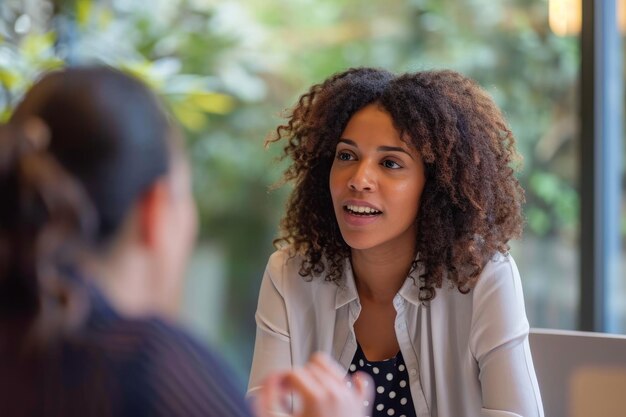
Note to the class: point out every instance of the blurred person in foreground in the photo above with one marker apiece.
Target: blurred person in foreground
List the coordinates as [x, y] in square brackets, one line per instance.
[96, 223]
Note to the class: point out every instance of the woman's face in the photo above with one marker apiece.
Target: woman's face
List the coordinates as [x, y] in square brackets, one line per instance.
[376, 182]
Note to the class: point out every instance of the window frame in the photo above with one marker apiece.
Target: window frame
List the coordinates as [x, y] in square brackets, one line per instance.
[601, 104]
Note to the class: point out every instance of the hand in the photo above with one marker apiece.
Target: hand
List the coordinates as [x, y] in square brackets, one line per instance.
[320, 389]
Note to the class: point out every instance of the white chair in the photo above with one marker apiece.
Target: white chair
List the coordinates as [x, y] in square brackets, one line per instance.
[580, 374]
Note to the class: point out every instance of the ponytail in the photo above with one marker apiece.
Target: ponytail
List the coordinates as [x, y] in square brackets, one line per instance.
[45, 219]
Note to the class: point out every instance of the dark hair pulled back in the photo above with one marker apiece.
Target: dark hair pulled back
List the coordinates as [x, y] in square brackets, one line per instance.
[79, 150]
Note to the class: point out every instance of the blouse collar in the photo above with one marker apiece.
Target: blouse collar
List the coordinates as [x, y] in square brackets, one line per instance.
[347, 291]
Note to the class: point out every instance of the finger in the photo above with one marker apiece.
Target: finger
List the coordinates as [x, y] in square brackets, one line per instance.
[267, 401]
[305, 386]
[301, 379]
[363, 385]
[329, 382]
[333, 371]
[310, 396]
[337, 385]
[331, 366]
[328, 371]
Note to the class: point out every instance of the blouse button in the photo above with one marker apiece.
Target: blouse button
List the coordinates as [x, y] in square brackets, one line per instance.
[413, 372]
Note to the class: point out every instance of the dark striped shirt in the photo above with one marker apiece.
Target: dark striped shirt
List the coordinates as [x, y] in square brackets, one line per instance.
[116, 366]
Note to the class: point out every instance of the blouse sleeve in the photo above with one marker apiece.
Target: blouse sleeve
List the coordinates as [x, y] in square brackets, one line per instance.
[272, 348]
[499, 342]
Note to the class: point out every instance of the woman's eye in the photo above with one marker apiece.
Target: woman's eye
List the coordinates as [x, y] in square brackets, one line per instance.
[387, 163]
[344, 156]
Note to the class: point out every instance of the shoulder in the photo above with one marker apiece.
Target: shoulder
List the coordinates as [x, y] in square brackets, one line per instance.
[185, 375]
[282, 276]
[499, 276]
[283, 268]
[149, 341]
[284, 261]
[498, 312]
[158, 368]
[154, 366]
[162, 335]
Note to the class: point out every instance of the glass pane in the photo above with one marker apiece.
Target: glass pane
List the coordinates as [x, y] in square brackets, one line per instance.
[618, 293]
[616, 306]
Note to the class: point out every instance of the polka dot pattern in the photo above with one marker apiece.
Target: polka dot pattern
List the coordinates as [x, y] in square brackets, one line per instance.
[392, 391]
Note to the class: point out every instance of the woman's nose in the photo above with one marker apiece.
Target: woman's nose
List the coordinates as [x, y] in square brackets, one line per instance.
[362, 179]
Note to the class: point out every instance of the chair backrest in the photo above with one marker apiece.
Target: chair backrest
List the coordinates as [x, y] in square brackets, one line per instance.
[578, 371]
[598, 392]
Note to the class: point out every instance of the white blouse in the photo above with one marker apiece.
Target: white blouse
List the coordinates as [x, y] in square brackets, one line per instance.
[467, 354]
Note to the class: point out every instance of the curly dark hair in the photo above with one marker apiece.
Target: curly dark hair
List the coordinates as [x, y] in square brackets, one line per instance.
[471, 204]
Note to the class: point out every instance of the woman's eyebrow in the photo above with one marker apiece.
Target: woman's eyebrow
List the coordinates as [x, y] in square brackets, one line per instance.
[348, 142]
[383, 148]
[393, 149]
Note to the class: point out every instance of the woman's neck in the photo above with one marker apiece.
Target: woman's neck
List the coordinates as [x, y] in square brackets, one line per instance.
[380, 273]
[123, 279]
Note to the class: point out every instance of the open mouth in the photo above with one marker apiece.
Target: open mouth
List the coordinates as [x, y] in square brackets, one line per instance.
[362, 211]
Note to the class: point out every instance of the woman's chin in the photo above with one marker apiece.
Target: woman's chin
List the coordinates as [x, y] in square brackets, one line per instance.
[359, 244]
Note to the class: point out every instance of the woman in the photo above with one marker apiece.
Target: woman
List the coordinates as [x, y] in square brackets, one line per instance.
[393, 254]
[96, 224]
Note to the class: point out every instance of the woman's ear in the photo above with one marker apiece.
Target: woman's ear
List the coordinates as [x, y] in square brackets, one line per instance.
[152, 213]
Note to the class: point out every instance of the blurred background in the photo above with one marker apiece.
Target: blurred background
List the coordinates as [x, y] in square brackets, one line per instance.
[229, 69]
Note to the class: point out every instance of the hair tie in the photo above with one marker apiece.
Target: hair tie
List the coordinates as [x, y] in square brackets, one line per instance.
[36, 134]
[19, 140]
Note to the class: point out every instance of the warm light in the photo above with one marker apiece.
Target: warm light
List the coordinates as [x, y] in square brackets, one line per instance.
[565, 16]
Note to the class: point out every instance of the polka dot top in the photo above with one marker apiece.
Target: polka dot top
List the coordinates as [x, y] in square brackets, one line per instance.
[392, 394]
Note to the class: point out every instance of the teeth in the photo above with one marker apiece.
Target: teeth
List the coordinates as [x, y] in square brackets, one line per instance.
[362, 209]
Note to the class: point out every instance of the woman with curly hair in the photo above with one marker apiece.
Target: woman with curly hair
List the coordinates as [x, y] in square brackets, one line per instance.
[393, 256]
